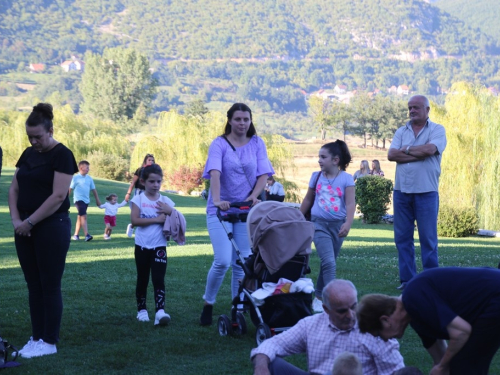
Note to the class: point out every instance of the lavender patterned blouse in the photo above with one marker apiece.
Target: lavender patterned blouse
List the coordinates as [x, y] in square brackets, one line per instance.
[239, 169]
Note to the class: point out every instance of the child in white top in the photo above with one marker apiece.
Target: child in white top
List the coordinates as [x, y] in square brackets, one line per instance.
[149, 211]
[110, 211]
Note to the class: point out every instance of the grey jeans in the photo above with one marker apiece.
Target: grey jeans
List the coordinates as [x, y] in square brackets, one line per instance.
[328, 244]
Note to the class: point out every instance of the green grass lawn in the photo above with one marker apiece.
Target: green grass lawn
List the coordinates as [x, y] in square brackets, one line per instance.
[100, 334]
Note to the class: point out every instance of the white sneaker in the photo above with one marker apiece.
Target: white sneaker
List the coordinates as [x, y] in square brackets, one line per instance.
[40, 349]
[162, 318]
[142, 316]
[106, 237]
[317, 305]
[130, 230]
[26, 348]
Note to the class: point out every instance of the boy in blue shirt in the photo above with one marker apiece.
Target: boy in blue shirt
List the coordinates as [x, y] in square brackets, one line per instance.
[82, 184]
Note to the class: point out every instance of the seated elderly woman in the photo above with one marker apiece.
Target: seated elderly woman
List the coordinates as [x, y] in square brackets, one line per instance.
[274, 190]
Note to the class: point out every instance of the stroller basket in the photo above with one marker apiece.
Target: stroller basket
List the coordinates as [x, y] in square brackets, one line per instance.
[284, 310]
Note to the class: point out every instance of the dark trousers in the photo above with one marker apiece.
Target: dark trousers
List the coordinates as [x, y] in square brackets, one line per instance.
[476, 355]
[281, 367]
[154, 261]
[42, 258]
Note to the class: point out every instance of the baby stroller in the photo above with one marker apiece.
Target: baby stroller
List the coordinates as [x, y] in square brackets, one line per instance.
[281, 244]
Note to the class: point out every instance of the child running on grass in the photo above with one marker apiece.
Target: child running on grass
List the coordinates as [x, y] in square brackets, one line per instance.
[110, 211]
[149, 211]
[82, 184]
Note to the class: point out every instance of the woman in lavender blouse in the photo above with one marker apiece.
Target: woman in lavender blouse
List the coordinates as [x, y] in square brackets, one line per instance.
[237, 167]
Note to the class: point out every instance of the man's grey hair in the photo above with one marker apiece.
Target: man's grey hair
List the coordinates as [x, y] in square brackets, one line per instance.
[426, 101]
[333, 287]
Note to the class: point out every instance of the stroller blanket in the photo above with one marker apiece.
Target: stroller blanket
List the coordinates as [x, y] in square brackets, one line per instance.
[278, 232]
[304, 285]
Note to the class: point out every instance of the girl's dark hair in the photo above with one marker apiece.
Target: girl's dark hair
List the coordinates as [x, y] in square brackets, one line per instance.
[146, 158]
[370, 308]
[339, 148]
[108, 198]
[41, 115]
[244, 108]
[150, 169]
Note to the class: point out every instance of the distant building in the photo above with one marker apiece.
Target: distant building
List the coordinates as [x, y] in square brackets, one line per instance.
[73, 64]
[392, 90]
[403, 90]
[340, 89]
[34, 68]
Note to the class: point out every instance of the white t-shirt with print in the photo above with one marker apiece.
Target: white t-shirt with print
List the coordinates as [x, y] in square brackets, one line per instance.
[150, 236]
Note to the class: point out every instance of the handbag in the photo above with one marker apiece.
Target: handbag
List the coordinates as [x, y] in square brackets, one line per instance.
[5, 347]
[307, 215]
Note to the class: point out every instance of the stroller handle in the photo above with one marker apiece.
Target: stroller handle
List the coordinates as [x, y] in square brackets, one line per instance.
[240, 205]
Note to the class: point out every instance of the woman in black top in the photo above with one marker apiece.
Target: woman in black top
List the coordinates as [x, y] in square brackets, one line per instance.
[39, 205]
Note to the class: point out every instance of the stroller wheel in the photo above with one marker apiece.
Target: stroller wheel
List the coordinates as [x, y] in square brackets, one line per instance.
[224, 326]
[241, 329]
[263, 332]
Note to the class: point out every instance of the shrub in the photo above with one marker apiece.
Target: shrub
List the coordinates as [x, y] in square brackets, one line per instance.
[186, 179]
[457, 221]
[373, 195]
[103, 165]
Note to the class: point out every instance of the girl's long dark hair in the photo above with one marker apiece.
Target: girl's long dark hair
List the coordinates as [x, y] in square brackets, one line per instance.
[244, 108]
[339, 148]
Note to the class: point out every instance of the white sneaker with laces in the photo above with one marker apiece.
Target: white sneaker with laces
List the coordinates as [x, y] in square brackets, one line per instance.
[162, 318]
[317, 305]
[142, 316]
[130, 230]
[28, 347]
[40, 349]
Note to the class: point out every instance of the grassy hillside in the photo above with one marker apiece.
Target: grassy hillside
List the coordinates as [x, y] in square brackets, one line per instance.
[481, 14]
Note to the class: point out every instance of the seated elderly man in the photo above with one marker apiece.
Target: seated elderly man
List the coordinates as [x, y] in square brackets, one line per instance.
[326, 335]
[461, 305]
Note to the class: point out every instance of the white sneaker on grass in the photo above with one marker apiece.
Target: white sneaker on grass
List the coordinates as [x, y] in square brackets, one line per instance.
[40, 349]
[106, 237]
[26, 348]
[142, 316]
[130, 230]
[162, 318]
[317, 305]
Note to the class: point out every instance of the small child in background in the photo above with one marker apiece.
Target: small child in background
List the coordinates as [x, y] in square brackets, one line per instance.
[110, 211]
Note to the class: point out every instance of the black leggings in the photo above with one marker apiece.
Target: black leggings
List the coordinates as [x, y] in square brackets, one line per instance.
[154, 260]
[42, 257]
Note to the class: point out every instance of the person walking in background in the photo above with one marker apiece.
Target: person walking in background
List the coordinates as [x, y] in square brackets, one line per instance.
[149, 211]
[82, 184]
[237, 167]
[364, 170]
[330, 198]
[39, 205]
[417, 148]
[137, 186]
[275, 191]
[110, 210]
[376, 171]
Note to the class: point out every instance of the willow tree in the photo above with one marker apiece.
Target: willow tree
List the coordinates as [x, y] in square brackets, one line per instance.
[470, 166]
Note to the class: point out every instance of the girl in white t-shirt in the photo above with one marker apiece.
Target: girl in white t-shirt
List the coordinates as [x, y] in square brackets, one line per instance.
[148, 215]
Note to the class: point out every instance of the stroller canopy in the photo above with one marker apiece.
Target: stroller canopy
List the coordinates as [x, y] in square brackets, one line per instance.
[278, 232]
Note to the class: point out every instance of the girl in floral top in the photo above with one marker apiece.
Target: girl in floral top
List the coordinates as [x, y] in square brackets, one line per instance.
[331, 198]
